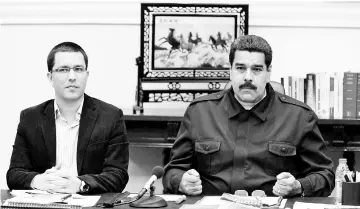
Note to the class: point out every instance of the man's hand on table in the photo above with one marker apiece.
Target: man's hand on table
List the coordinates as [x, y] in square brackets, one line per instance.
[54, 180]
[286, 185]
[190, 183]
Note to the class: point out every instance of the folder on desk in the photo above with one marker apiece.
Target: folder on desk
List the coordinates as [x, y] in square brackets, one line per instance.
[260, 202]
[198, 206]
[227, 201]
[40, 199]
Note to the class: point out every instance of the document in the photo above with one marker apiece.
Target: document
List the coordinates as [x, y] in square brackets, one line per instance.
[170, 197]
[235, 201]
[28, 192]
[213, 201]
[306, 205]
[198, 206]
[84, 201]
[43, 197]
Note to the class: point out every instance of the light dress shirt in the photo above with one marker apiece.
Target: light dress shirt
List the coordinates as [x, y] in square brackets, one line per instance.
[66, 141]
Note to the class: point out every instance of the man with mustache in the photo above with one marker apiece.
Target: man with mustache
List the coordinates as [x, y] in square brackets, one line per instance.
[249, 137]
[275, 85]
[73, 143]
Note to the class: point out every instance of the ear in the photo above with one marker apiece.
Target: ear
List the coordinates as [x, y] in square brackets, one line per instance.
[49, 76]
[268, 74]
[231, 72]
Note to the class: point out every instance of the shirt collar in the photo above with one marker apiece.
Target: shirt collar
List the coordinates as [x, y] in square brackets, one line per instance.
[78, 112]
[261, 109]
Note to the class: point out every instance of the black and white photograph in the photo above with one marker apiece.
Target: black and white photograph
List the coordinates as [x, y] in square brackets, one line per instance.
[180, 104]
[189, 40]
[193, 41]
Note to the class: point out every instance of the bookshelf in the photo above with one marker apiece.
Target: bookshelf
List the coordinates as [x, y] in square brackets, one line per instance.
[152, 130]
[161, 131]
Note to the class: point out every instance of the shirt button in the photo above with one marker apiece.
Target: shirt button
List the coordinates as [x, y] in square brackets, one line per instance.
[283, 98]
[283, 149]
[218, 95]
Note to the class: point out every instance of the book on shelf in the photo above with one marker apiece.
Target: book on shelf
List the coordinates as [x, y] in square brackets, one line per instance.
[338, 95]
[305, 90]
[322, 95]
[349, 95]
[358, 97]
[330, 95]
[310, 91]
[290, 90]
[301, 89]
[295, 87]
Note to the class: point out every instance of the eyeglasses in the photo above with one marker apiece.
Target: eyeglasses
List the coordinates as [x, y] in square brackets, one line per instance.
[65, 70]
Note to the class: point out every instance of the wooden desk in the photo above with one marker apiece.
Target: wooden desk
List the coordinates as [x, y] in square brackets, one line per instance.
[5, 194]
[191, 200]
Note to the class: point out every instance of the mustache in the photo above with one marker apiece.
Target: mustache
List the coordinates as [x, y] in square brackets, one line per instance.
[247, 85]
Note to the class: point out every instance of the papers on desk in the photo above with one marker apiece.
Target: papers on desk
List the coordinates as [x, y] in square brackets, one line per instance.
[198, 206]
[306, 205]
[27, 192]
[214, 202]
[262, 202]
[170, 197]
[225, 204]
[84, 201]
[43, 197]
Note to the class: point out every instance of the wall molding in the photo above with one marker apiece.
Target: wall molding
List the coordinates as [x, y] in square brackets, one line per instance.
[329, 14]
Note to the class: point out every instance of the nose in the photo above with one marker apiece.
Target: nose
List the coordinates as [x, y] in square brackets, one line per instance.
[248, 75]
[71, 74]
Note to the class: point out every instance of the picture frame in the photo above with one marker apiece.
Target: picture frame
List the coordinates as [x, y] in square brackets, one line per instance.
[185, 49]
[185, 41]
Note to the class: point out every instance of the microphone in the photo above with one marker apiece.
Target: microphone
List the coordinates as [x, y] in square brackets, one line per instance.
[157, 173]
[151, 201]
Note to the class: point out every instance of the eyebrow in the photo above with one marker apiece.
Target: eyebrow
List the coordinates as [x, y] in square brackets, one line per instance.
[256, 65]
[72, 66]
[239, 64]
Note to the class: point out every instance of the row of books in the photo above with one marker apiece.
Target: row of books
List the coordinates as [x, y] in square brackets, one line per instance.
[330, 95]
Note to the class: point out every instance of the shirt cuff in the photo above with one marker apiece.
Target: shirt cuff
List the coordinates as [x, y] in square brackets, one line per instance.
[88, 181]
[175, 181]
[306, 186]
[32, 183]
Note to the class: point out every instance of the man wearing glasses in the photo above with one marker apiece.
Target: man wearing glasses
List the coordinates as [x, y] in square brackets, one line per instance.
[73, 143]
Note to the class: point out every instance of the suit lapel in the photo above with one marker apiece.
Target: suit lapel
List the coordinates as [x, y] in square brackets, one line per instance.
[87, 122]
[49, 131]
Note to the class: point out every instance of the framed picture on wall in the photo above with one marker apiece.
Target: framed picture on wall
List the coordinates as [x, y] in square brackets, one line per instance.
[185, 47]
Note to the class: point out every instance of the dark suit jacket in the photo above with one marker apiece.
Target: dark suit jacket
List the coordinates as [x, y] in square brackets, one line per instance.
[102, 151]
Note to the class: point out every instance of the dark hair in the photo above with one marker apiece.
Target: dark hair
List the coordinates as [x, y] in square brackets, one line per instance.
[64, 47]
[251, 43]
